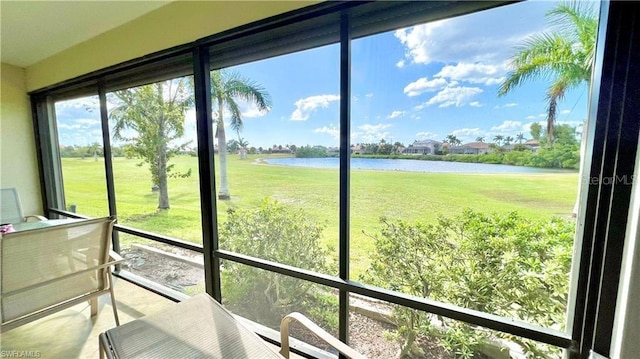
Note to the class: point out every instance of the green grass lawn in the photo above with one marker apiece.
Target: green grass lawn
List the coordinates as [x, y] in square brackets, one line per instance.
[413, 197]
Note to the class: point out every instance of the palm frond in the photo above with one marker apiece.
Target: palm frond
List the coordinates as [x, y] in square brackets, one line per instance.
[236, 115]
[573, 18]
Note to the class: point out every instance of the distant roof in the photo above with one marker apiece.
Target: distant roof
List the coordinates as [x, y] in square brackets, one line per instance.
[532, 143]
[425, 143]
[476, 145]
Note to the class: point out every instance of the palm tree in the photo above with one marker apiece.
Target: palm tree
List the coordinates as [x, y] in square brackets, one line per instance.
[94, 148]
[480, 139]
[520, 138]
[564, 55]
[508, 140]
[452, 140]
[242, 142]
[498, 139]
[226, 88]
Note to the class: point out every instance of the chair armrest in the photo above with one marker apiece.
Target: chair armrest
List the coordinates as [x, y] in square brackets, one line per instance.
[36, 217]
[115, 258]
[315, 329]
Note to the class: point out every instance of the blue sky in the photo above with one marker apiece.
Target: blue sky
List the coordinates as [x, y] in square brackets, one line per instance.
[422, 82]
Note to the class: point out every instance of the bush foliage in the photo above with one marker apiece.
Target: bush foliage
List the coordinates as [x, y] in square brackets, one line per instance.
[279, 234]
[501, 264]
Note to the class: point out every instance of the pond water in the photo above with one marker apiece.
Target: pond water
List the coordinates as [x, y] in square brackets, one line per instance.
[410, 165]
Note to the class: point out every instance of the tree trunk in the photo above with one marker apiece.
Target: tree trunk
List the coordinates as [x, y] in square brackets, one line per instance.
[223, 193]
[163, 190]
[553, 105]
[163, 193]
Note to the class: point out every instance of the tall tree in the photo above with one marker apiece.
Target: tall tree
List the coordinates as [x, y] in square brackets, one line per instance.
[149, 119]
[564, 55]
[480, 139]
[520, 138]
[242, 142]
[94, 150]
[452, 140]
[498, 140]
[228, 87]
[536, 131]
[508, 140]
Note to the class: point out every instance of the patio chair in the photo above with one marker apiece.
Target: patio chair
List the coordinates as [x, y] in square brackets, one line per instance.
[11, 208]
[343, 348]
[200, 327]
[48, 269]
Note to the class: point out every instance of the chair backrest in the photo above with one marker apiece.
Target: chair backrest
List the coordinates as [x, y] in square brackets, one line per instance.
[47, 266]
[10, 207]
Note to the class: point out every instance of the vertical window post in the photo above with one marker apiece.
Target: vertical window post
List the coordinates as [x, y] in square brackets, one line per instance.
[345, 154]
[108, 162]
[201, 78]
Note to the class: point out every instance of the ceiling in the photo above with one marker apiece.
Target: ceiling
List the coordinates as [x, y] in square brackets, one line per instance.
[31, 31]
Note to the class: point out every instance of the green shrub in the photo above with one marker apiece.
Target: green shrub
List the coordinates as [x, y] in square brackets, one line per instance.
[280, 234]
[311, 152]
[502, 264]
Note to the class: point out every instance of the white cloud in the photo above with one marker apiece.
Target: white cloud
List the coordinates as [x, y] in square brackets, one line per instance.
[395, 114]
[423, 85]
[450, 96]
[468, 134]
[470, 39]
[91, 102]
[577, 124]
[87, 122]
[564, 112]
[510, 104]
[400, 64]
[542, 115]
[531, 117]
[330, 130]
[426, 136]
[69, 127]
[476, 73]
[372, 133]
[372, 128]
[475, 104]
[369, 95]
[250, 110]
[418, 39]
[305, 106]
[508, 127]
[190, 117]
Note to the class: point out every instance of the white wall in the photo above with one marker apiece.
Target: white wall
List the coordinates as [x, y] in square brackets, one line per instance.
[18, 161]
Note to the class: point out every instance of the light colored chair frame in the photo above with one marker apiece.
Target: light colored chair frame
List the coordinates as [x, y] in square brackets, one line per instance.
[101, 269]
[315, 329]
[11, 208]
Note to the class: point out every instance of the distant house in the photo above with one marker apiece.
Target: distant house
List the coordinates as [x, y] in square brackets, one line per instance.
[426, 147]
[533, 145]
[356, 149]
[471, 148]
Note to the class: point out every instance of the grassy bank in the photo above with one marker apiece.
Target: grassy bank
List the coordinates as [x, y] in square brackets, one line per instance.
[403, 195]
